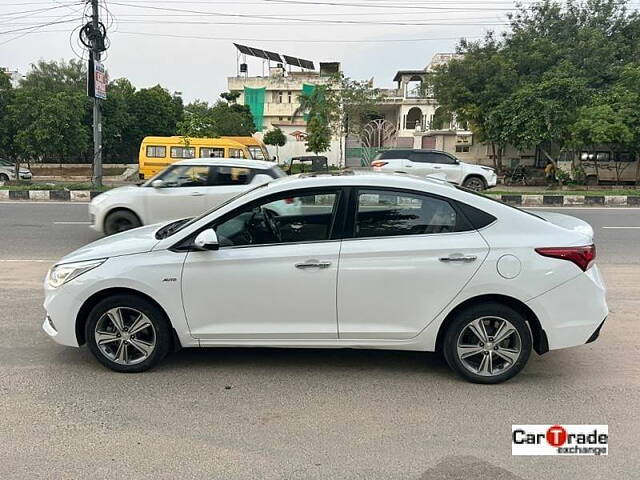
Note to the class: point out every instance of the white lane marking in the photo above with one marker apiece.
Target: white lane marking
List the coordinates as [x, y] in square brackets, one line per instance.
[18, 260]
[622, 228]
[72, 223]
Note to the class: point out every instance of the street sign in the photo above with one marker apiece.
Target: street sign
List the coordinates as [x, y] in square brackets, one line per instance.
[97, 84]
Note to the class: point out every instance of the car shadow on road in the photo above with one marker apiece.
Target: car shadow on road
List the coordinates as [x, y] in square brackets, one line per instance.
[315, 359]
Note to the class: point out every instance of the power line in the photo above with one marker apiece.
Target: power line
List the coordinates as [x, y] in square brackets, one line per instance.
[271, 40]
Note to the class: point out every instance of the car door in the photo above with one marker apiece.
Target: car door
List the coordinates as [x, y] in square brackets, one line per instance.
[420, 163]
[268, 282]
[448, 166]
[181, 195]
[410, 254]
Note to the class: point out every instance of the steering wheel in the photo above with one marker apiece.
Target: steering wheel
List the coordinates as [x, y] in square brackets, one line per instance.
[269, 220]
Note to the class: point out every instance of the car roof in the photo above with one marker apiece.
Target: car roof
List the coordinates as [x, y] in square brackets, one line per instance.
[228, 162]
[360, 178]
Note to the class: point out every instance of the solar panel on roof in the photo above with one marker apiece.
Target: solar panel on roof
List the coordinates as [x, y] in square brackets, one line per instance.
[292, 61]
[243, 49]
[306, 64]
[273, 56]
[256, 52]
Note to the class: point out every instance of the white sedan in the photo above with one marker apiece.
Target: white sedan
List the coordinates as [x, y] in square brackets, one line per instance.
[184, 189]
[366, 261]
[436, 163]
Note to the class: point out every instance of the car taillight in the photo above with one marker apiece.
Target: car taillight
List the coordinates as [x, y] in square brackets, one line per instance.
[583, 256]
[378, 163]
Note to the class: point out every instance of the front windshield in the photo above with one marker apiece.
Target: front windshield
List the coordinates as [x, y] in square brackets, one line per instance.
[173, 231]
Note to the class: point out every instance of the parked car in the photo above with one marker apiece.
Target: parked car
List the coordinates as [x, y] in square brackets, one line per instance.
[184, 189]
[435, 162]
[8, 172]
[368, 261]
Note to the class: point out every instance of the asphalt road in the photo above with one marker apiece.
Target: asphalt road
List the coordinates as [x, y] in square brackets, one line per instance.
[260, 413]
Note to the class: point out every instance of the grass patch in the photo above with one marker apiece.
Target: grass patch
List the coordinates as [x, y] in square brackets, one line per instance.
[52, 186]
[586, 193]
[52, 171]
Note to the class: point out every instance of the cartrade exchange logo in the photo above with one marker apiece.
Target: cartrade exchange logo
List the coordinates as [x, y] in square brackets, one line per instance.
[559, 439]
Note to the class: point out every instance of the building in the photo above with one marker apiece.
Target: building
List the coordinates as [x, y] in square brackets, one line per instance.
[14, 76]
[408, 117]
[274, 102]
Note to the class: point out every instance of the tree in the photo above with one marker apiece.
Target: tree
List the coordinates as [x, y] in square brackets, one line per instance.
[275, 137]
[155, 112]
[318, 135]
[221, 119]
[528, 87]
[120, 141]
[51, 112]
[198, 121]
[7, 126]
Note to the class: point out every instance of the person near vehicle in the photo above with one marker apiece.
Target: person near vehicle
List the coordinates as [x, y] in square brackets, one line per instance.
[550, 173]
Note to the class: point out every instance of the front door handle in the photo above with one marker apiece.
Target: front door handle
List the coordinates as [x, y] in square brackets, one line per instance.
[197, 194]
[313, 263]
[459, 258]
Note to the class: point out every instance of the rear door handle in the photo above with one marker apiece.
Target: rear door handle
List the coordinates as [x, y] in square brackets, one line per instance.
[313, 264]
[459, 258]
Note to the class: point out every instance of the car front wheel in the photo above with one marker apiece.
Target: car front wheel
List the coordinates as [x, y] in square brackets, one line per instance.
[475, 183]
[487, 343]
[120, 221]
[127, 333]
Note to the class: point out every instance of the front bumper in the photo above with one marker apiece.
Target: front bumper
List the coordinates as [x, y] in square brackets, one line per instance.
[26, 176]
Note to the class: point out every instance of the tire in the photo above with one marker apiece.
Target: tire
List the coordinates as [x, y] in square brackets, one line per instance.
[120, 221]
[489, 364]
[475, 183]
[120, 350]
[4, 177]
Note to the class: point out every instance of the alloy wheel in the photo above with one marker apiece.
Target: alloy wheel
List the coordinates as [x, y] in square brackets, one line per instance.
[125, 336]
[475, 184]
[489, 346]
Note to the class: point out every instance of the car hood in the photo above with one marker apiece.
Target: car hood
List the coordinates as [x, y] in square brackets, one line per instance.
[476, 168]
[118, 191]
[568, 222]
[138, 240]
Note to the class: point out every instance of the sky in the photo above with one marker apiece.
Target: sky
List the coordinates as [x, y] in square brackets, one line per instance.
[187, 46]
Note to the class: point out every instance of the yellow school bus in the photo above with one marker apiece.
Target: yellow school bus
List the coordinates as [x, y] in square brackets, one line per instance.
[257, 149]
[156, 153]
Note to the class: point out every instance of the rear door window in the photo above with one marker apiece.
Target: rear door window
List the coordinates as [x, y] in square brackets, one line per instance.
[387, 213]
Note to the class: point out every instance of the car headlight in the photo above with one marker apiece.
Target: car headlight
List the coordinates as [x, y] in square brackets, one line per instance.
[61, 274]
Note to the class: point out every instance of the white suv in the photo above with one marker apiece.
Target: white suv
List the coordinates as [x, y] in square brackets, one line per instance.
[438, 163]
[184, 189]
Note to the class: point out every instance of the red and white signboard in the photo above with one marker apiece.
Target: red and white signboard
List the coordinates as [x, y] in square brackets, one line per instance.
[100, 80]
[559, 439]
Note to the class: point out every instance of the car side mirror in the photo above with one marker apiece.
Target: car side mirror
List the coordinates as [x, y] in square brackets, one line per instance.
[206, 240]
[158, 184]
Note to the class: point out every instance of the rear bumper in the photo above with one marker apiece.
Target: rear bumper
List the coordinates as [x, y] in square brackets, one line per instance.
[572, 313]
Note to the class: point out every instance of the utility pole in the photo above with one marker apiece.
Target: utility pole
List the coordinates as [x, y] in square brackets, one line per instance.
[97, 114]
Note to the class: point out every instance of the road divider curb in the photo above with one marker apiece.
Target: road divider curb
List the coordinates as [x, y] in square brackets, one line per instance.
[521, 200]
[49, 195]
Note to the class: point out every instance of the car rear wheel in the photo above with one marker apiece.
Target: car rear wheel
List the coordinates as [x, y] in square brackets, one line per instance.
[487, 343]
[4, 177]
[120, 221]
[127, 333]
[475, 183]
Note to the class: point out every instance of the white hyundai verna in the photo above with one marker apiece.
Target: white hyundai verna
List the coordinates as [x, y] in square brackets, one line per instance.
[184, 189]
[385, 261]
